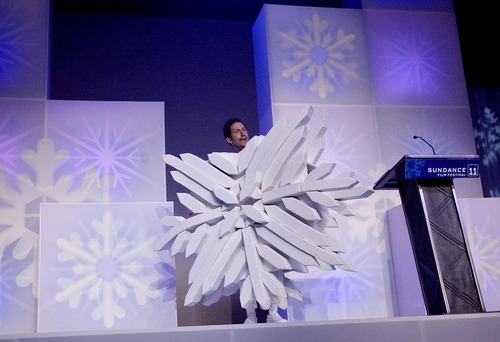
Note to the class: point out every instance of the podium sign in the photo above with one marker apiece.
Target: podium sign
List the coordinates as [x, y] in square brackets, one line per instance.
[441, 168]
[446, 273]
[430, 167]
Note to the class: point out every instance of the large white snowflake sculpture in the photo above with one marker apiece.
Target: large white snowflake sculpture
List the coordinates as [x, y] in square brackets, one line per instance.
[259, 214]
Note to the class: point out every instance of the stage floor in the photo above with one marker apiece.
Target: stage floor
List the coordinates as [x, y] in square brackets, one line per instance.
[482, 327]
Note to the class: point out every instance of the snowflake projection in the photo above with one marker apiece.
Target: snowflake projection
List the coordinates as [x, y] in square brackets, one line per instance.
[322, 58]
[487, 136]
[416, 59]
[260, 214]
[114, 153]
[7, 276]
[323, 291]
[12, 42]
[366, 242]
[38, 167]
[494, 193]
[486, 254]
[368, 224]
[167, 280]
[20, 206]
[8, 155]
[108, 269]
[23, 49]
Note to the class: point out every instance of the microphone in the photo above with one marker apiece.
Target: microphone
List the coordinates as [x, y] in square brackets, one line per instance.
[425, 141]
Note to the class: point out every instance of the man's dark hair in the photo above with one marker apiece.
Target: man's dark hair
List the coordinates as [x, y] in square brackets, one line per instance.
[227, 126]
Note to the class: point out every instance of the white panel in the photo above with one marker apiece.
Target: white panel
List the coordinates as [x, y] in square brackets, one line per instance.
[68, 152]
[98, 269]
[114, 148]
[482, 223]
[410, 301]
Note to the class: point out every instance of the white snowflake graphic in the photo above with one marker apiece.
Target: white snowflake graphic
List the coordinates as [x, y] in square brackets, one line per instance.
[260, 214]
[108, 269]
[319, 58]
[12, 41]
[20, 206]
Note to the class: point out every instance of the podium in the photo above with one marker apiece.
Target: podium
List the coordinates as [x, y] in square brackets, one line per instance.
[444, 264]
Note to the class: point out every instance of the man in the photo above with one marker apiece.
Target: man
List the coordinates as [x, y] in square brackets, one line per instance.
[235, 133]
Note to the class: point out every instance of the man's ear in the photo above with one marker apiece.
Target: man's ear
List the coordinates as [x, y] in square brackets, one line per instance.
[229, 141]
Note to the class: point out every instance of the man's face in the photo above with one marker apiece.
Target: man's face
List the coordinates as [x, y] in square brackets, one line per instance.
[239, 136]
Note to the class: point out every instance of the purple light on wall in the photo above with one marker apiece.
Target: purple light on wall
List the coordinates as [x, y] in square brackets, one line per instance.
[24, 48]
[415, 58]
